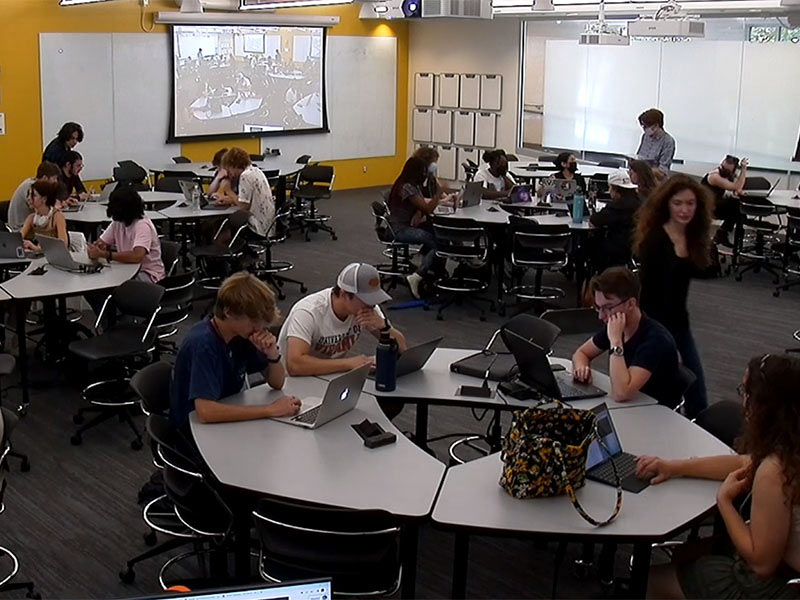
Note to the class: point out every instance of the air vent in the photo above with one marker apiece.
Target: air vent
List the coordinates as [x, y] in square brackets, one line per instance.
[464, 9]
[433, 8]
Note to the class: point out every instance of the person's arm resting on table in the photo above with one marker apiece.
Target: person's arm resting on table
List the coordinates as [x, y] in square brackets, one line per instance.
[716, 468]
[373, 322]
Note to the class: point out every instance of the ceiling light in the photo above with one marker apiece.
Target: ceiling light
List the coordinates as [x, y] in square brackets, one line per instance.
[273, 4]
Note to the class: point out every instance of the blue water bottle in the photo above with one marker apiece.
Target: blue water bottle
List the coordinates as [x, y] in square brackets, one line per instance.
[577, 208]
[386, 363]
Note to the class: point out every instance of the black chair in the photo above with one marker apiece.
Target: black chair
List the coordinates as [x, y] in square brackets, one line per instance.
[467, 243]
[176, 307]
[573, 321]
[172, 183]
[313, 183]
[399, 253]
[181, 160]
[470, 169]
[170, 256]
[266, 268]
[256, 157]
[614, 163]
[359, 549]
[755, 213]
[512, 157]
[303, 159]
[539, 247]
[724, 420]
[10, 421]
[224, 255]
[126, 345]
[791, 247]
[130, 173]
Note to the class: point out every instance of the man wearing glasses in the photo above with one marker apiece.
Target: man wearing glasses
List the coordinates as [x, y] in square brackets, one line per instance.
[642, 355]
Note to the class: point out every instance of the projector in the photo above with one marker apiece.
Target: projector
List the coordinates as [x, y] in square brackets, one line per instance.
[667, 28]
[603, 38]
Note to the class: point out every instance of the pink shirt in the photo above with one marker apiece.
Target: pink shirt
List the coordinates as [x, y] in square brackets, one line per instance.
[139, 234]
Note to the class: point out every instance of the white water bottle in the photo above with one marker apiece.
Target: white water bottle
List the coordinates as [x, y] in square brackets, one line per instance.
[195, 198]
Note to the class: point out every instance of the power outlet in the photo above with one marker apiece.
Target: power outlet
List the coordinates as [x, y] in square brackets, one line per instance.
[2, 123]
[364, 169]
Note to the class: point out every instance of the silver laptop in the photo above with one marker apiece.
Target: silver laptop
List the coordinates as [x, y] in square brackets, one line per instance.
[413, 359]
[761, 193]
[57, 255]
[11, 245]
[471, 194]
[105, 193]
[341, 397]
[188, 187]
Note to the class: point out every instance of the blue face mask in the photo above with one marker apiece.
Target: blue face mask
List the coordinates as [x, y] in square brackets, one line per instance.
[433, 168]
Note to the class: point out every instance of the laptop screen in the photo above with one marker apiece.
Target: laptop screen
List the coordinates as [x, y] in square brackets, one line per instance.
[303, 590]
[605, 427]
[520, 193]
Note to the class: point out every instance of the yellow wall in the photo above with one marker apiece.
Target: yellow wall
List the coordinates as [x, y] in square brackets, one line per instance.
[20, 94]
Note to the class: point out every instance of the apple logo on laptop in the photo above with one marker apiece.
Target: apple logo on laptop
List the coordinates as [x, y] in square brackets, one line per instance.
[345, 393]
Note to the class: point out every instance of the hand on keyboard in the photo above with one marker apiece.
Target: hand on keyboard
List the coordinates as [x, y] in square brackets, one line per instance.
[653, 467]
[286, 406]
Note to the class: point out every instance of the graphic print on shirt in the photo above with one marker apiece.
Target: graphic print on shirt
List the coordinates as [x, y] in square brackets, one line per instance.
[334, 345]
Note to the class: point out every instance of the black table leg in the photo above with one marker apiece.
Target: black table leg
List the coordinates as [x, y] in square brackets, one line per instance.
[640, 569]
[22, 361]
[280, 191]
[241, 536]
[409, 538]
[460, 561]
[421, 432]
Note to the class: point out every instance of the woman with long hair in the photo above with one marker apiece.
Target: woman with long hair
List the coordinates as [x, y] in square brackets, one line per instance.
[46, 218]
[766, 550]
[672, 241]
[642, 175]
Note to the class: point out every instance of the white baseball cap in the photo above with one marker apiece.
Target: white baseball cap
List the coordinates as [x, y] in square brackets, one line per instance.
[621, 178]
[364, 281]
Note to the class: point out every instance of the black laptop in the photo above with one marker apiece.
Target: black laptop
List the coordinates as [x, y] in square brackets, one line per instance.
[535, 372]
[598, 459]
[413, 359]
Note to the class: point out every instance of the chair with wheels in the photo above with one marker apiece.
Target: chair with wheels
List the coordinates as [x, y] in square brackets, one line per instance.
[224, 255]
[539, 247]
[755, 214]
[176, 307]
[359, 549]
[724, 420]
[11, 420]
[791, 248]
[573, 321]
[470, 169]
[399, 253]
[171, 182]
[178, 160]
[125, 345]
[256, 157]
[467, 243]
[614, 163]
[129, 172]
[314, 183]
[170, 256]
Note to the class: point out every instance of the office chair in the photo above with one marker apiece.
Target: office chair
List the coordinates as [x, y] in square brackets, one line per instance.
[10, 420]
[573, 321]
[467, 243]
[181, 160]
[125, 344]
[256, 157]
[223, 256]
[754, 214]
[359, 549]
[171, 182]
[313, 183]
[129, 172]
[399, 253]
[791, 247]
[265, 268]
[724, 420]
[614, 163]
[470, 169]
[176, 307]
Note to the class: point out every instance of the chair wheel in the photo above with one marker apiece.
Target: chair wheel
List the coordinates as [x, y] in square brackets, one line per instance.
[482, 317]
[334, 237]
[76, 440]
[25, 466]
[439, 318]
[582, 570]
[136, 444]
[77, 419]
[776, 293]
[303, 289]
[150, 538]
[34, 595]
[738, 277]
[127, 576]
[22, 410]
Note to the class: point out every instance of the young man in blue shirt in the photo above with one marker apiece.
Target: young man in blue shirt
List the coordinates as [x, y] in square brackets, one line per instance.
[218, 353]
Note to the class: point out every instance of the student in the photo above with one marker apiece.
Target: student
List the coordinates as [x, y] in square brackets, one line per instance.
[46, 218]
[408, 212]
[71, 167]
[672, 241]
[430, 187]
[567, 168]
[765, 550]
[641, 352]
[617, 220]
[495, 176]
[69, 136]
[324, 326]
[19, 207]
[131, 238]
[642, 175]
[726, 206]
[657, 147]
[255, 194]
[221, 185]
[218, 352]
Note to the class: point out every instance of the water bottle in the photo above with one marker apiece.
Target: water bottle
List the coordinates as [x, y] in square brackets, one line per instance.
[386, 363]
[195, 198]
[577, 208]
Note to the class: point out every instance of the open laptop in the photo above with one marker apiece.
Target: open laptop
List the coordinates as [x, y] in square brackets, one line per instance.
[413, 359]
[471, 194]
[761, 193]
[105, 193]
[57, 255]
[308, 589]
[598, 460]
[520, 194]
[188, 187]
[11, 245]
[535, 372]
[340, 397]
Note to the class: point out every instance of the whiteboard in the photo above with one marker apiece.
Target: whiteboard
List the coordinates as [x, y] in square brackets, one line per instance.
[361, 88]
[565, 92]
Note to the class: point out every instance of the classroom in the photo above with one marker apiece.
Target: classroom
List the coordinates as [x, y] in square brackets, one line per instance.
[399, 298]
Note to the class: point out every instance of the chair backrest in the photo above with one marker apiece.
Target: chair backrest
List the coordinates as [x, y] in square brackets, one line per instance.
[137, 298]
[472, 164]
[236, 225]
[256, 157]
[170, 184]
[181, 160]
[686, 378]
[460, 238]
[151, 384]
[613, 162]
[540, 332]
[303, 159]
[756, 183]
[528, 235]
[383, 229]
[128, 172]
[170, 255]
[756, 208]
[512, 157]
[573, 320]
[4, 206]
[793, 226]
[724, 420]
[319, 174]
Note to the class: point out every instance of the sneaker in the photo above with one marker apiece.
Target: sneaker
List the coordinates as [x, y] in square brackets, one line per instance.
[413, 284]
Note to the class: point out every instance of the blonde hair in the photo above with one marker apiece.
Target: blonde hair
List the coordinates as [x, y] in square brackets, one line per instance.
[236, 158]
[244, 295]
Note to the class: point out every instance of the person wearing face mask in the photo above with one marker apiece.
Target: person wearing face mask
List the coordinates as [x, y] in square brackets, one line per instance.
[657, 146]
[430, 187]
[616, 220]
[673, 241]
[726, 206]
[567, 166]
[495, 176]
[69, 136]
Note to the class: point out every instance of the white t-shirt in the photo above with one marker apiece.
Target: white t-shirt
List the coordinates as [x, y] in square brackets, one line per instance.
[312, 320]
[254, 189]
[491, 182]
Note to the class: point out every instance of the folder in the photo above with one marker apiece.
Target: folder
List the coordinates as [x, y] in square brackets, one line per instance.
[423, 89]
[422, 125]
[491, 92]
[448, 90]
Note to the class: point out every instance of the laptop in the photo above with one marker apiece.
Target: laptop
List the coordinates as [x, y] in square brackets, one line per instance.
[72, 208]
[308, 589]
[413, 359]
[520, 194]
[535, 372]
[105, 193]
[761, 193]
[11, 245]
[188, 187]
[341, 397]
[471, 194]
[598, 460]
[57, 255]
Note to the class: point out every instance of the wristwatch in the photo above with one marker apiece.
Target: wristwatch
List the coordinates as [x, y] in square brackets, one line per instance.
[616, 351]
[386, 325]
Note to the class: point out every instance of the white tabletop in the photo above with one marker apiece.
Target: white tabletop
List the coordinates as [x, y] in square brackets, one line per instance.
[481, 213]
[56, 282]
[786, 198]
[525, 168]
[179, 213]
[437, 384]
[95, 213]
[161, 198]
[329, 465]
[4, 295]
[283, 164]
[471, 497]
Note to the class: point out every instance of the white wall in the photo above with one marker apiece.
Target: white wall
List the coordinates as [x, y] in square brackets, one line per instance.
[470, 46]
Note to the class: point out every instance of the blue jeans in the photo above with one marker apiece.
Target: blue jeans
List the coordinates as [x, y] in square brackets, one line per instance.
[696, 398]
[416, 235]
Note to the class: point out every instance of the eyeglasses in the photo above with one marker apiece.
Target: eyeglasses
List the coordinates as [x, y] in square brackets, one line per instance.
[608, 308]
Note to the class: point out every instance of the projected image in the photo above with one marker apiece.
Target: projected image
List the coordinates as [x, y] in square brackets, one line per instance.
[247, 79]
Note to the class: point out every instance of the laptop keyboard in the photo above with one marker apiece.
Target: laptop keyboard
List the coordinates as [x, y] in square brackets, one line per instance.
[308, 417]
[626, 467]
[568, 390]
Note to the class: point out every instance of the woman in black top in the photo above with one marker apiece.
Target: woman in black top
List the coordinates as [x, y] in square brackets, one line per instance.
[567, 168]
[616, 220]
[69, 136]
[726, 206]
[672, 240]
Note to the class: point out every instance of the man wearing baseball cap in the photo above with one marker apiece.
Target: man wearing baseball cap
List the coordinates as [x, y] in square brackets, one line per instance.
[616, 219]
[322, 327]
